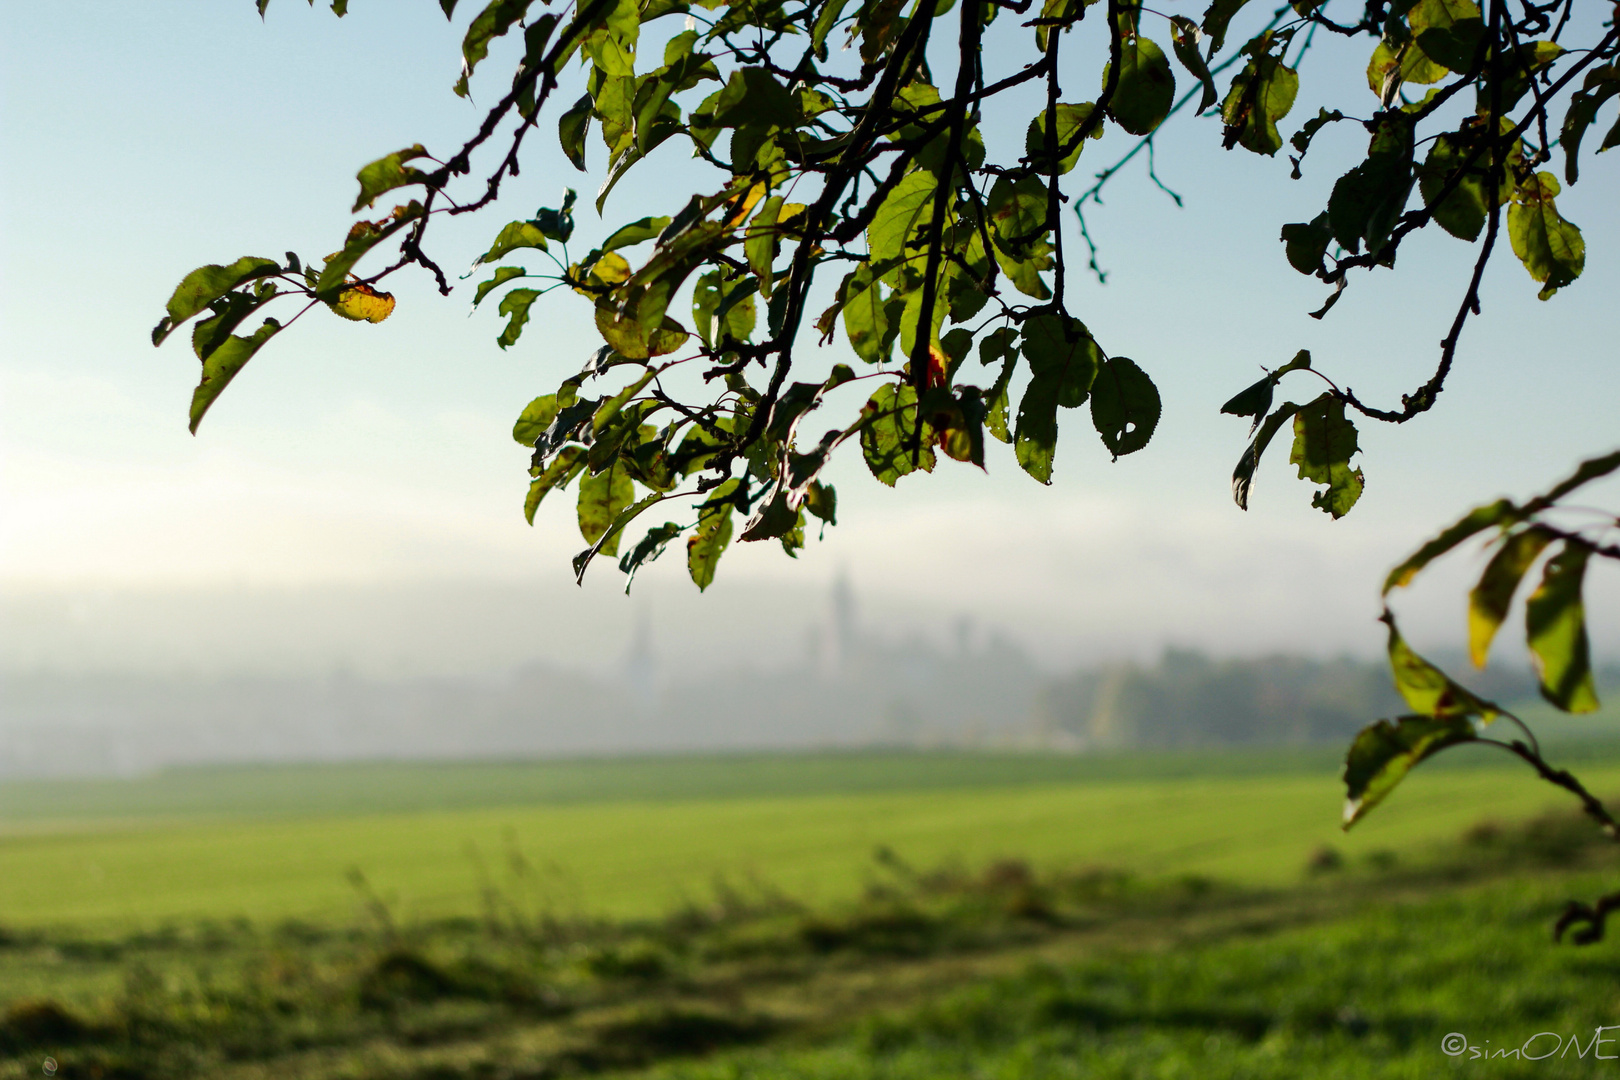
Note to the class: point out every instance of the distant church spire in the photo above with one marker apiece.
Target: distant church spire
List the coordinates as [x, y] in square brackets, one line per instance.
[845, 631]
[641, 665]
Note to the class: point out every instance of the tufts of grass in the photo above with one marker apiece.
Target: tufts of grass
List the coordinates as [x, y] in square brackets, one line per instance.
[1091, 971]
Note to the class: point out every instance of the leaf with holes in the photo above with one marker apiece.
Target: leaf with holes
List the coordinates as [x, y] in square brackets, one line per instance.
[1324, 442]
[1124, 406]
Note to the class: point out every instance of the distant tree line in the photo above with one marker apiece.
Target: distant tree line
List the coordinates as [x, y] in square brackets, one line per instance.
[1190, 699]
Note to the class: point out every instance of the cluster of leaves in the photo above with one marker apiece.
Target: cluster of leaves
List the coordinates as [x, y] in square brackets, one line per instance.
[1446, 714]
[941, 253]
[1431, 58]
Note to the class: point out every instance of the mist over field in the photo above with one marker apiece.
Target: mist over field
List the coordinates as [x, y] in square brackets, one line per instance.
[126, 683]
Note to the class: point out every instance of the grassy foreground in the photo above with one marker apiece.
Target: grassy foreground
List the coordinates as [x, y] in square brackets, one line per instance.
[266, 845]
[998, 971]
[869, 917]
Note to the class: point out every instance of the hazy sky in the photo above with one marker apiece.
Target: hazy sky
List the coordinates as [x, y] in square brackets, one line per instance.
[139, 141]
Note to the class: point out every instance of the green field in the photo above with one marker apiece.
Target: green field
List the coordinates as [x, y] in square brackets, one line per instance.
[636, 837]
[877, 915]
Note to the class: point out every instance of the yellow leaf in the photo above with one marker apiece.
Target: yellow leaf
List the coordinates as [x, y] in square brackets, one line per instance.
[611, 268]
[362, 303]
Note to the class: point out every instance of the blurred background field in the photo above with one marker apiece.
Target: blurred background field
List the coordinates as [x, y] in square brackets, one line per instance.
[636, 837]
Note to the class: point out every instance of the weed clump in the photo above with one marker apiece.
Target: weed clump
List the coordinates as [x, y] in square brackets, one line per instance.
[35, 1024]
[668, 1031]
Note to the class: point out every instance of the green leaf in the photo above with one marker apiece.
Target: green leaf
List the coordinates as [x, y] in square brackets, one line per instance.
[900, 212]
[793, 403]
[1368, 200]
[515, 305]
[558, 224]
[626, 333]
[1529, 60]
[1463, 211]
[708, 542]
[735, 315]
[826, 19]
[608, 544]
[999, 346]
[879, 23]
[200, 288]
[1254, 401]
[536, 36]
[1124, 406]
[602, 498]
[608, 415]
[1386, 751]
[1063, 360]
[777, 517]
[496, 19]
[1243, 475]
[572, 127]
[502, 276]
[1324, 441]
[867, 323]
[229, 312]
[1489, 600]
[388, 173]
[1070, 119]
[1262, 93]
[1035, 436]
[566, 427]
[1025, 273]
[1306, 244]
[1390, 67]
[1184, 36]
[1216, 19]
[1600, 85]
[761, 243]
[568, 463]
[1017, 214]
[1448, 31]
[223, 363]
[822, 501]
[890, 419]
[517, 234]
[706, 296]
[1474, 522]
[1062, 351]
[647, 549]
[1428, 690]
[1146, 87]
[1551, 249]
[1555, 628]
[753, 98]
[535, 419]
[636, 232]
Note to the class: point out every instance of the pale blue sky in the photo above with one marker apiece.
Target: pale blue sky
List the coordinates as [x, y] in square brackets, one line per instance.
[139, 141]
